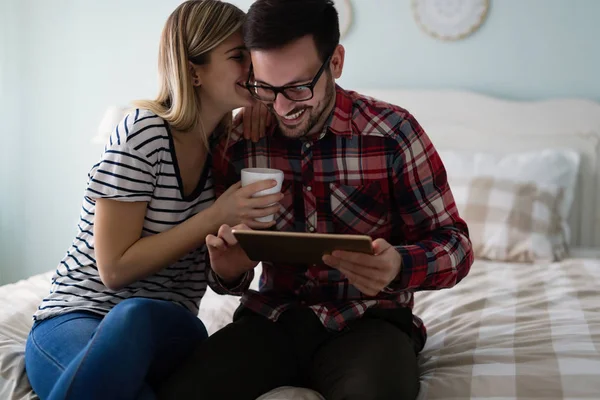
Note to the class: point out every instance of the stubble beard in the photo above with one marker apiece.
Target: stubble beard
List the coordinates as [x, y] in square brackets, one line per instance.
[315, 116]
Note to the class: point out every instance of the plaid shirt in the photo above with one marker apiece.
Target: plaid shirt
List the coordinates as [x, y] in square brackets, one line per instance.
[374, 171]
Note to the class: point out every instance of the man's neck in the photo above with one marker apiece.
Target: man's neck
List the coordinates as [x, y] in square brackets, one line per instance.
[320, 125]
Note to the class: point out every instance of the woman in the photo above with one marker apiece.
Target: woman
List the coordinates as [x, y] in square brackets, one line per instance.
[122, 311]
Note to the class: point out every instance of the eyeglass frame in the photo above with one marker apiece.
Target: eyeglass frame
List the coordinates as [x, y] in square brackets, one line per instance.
[282, 89]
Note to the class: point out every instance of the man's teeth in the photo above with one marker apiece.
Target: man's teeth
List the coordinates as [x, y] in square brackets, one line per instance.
[294, 116]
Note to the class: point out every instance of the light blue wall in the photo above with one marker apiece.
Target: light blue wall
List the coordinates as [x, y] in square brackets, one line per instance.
[526, 49]
[63, 62]
[11, 188]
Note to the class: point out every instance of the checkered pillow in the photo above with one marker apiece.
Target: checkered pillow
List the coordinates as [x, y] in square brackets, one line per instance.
[511, 221]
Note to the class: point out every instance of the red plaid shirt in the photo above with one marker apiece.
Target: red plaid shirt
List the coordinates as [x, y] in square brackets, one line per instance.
[374, 171]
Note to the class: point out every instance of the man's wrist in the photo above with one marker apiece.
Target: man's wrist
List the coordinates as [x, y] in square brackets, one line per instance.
[231, 280]
[391, 287]
[236, 284]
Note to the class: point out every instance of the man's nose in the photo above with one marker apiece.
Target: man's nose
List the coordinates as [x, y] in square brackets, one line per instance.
[283, 105]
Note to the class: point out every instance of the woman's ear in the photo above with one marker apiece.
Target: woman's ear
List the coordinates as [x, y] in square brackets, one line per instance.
[337, 61]
[194, 74]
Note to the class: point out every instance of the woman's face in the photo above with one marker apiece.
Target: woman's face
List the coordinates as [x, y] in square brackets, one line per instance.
[222, 79]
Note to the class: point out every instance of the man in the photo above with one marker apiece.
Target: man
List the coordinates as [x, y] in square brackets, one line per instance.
[352, 165]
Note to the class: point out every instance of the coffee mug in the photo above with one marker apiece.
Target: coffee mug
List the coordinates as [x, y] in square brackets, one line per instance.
[251, 175]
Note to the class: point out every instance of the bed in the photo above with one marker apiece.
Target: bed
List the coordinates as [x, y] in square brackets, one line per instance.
[525, 323]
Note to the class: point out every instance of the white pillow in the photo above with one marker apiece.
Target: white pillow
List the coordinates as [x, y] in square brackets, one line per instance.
[291, 393]
[547, 167]
[18, 302]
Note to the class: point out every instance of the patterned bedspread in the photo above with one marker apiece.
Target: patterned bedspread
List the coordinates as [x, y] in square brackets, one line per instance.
[507, 331]
[514, 331]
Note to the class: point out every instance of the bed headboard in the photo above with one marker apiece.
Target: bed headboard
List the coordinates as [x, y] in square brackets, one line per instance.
[462, 120]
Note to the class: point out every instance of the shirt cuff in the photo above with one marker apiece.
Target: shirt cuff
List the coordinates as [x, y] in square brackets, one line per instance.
[410, 256]
[236, 288]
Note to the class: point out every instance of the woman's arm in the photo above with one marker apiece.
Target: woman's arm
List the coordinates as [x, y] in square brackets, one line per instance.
[123, 257]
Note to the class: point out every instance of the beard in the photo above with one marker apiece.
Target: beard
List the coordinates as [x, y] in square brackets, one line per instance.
[316, 115]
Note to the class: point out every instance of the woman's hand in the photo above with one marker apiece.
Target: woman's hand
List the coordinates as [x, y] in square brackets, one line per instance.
[237, 206]
[256, 119]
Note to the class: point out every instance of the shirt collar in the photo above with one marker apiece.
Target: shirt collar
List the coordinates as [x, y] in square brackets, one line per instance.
[340, 120]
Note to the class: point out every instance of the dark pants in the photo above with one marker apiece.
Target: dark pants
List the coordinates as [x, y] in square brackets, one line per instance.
[374, 358]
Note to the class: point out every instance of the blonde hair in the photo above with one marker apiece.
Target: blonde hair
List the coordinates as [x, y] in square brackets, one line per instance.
[194, 29]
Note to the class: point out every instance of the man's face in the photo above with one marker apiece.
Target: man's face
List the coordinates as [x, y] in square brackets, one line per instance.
[297, 64]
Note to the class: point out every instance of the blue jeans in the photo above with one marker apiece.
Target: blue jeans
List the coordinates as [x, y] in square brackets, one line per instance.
[123, 355]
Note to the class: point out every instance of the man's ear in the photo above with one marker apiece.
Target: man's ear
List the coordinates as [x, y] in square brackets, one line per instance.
[337, 61]
[195, 76]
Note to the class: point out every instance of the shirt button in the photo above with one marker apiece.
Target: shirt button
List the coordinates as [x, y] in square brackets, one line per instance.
[309, 188]
[311, 229]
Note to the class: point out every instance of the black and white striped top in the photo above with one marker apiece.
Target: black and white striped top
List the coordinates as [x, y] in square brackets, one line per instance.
[138, 164]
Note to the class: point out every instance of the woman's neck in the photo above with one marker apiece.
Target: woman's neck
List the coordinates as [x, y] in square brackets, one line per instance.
[210, 118]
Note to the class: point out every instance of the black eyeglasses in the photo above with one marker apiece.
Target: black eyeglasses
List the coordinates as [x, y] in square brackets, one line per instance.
[290, 92]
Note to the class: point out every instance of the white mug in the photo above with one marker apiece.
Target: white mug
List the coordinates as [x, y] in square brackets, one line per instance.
[251, 175]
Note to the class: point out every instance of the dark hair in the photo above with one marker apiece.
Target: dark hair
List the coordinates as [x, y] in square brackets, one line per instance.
[272, 24]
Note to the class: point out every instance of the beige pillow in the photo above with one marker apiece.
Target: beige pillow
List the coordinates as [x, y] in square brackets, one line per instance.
[511, 221]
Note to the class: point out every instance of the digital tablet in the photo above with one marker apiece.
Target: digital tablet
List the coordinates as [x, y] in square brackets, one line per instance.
[298, 247]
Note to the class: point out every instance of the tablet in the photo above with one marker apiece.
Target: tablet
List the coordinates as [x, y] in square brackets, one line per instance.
[298, 247]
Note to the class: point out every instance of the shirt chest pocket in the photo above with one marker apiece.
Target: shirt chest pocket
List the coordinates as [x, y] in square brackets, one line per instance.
[362, 210]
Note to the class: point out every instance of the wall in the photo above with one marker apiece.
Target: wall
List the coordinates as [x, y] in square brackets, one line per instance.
[12, 232]
[63, 62]
[526, 49]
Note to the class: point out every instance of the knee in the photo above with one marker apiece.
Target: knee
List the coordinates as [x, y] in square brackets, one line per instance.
[132, 312]
[370, 386]
[152, 315]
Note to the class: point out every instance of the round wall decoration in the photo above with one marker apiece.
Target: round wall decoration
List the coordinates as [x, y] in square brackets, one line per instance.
[450, 19]
[344, 10]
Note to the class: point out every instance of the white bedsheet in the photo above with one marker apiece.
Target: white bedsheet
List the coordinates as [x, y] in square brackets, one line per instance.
[508, 331]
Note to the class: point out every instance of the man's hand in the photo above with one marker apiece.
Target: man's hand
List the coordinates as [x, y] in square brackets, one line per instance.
[368, 273]
[227, 258]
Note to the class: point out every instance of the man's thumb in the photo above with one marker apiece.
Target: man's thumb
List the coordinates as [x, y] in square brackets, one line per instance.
[380, 245]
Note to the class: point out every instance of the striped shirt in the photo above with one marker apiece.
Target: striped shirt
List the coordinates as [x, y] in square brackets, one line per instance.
[138, 164]
[373, 171]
